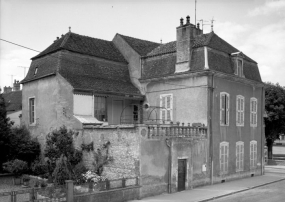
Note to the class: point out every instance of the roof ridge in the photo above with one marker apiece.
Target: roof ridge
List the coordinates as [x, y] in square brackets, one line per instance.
[137, 38]
[90, 37]
[66, 37]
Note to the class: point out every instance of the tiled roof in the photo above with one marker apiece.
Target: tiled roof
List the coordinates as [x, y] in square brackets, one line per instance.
[85, 45]
[96, 75]
[13, 101]
[45, 66]
[161, 61]
[142, 47]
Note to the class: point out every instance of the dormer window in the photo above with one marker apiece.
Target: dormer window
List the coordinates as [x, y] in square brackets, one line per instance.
[238, 63]
[239, 67]
[36, 70]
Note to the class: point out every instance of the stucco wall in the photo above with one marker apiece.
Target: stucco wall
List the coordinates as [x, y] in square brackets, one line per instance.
[233, 133]
[124, 148]
[53, 106]
[189, 98]
[155, 159]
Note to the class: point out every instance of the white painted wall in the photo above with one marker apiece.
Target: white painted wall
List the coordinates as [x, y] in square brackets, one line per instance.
[83, 105]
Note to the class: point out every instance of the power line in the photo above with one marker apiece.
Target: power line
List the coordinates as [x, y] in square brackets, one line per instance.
[180, 85]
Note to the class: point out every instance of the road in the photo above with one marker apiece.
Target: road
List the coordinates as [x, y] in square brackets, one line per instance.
[272, 192]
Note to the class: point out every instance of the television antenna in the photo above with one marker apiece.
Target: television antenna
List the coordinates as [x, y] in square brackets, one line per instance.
[12, 75]
[209, 22]
[24, 70]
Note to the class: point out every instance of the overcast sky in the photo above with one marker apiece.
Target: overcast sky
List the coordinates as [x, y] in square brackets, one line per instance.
[255, 27]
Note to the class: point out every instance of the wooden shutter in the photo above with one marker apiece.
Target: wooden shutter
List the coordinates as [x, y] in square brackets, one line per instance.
[226, 157]
[242, 156]
[162, 109]
[169, 107]
[222, 155]
[237, 156]
[227, 109]
[255, 154]
[242, 111]
[222, 109]
[251, 155]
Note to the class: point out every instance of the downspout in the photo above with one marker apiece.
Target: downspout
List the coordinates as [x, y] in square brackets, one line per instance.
[211, 129]
[168, 143]
[262, 131]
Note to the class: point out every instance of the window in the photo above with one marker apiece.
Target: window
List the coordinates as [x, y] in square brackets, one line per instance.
[100, 109]
[36, 71]
[166, 103]
[239, 68]
[224, 108]
[240, 111]
[136, 113]
[32, 110]
[253, 112]
[224, 157]
[253, 154]
[239, 156]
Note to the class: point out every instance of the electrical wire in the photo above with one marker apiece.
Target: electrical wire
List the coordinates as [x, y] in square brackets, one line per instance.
[180, 85]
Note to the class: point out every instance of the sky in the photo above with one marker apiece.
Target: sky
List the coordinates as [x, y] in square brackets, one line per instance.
[255, 27]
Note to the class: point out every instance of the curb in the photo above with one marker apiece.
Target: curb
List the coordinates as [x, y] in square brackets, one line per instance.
[242, 190]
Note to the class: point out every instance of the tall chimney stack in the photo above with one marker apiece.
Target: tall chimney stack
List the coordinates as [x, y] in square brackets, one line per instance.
[183, 46]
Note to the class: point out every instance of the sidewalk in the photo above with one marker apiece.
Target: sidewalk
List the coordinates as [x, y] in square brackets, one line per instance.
[208, 193]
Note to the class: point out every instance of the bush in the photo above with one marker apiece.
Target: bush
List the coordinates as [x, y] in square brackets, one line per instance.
[40, 168]
[62, 171]
[17, 167]
[78, 171]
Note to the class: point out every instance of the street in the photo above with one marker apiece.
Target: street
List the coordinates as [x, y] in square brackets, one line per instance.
[273, 192]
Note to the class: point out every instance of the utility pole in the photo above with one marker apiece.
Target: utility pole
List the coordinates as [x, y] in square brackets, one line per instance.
[24, 70]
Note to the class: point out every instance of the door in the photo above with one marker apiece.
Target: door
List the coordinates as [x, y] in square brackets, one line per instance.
[181, 174]
[117, 111]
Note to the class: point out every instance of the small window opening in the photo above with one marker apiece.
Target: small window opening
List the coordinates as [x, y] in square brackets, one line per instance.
[223, 181]
[36, 70]
[252, 175]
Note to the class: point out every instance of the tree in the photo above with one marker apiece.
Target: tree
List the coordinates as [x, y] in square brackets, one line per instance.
[61, 154]
[275, 110]
[5, 132]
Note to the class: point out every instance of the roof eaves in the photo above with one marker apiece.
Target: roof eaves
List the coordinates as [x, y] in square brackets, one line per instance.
[34, 79]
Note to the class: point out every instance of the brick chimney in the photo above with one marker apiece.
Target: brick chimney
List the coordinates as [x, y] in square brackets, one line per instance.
[185, 34]
[16, 85]
[7, 89]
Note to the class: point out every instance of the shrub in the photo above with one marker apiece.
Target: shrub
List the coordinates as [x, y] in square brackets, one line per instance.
[17, 167]
[40, 168]
[79, 169]
[63, 171]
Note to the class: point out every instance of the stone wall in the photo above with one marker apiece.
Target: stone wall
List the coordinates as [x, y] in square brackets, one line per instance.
[124, 149]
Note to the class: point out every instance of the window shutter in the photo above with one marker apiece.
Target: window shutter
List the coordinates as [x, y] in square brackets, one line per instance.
[221, 158]
[222, 109]
[251, 154]
[242, 112]
[227, 108]
[168, 107]
[255, 154]
[226, 157]
[242, 156]
[237, 156]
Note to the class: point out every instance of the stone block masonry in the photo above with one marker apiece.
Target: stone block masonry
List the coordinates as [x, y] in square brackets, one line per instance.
[123, 148]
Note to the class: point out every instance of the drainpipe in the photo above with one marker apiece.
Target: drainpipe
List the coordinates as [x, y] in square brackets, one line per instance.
[168, 143]
[262, 131]
[211, 128]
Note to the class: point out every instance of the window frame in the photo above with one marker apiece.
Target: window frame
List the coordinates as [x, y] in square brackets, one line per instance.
[226, 110]
[166, 109]
[239, 69]
[239, 156]
[224, 157]
[253, 113]
[240, 110]
[105, 114]
[32, 123]
[253, 154]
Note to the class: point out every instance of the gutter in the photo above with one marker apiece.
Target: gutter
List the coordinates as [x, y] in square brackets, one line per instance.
[210, 130]
[169, 144]
[262, 131]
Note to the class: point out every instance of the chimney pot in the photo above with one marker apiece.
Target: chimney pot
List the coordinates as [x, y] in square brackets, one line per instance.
[57, 38]
[198, 25]
[188, 19]
[181, 21]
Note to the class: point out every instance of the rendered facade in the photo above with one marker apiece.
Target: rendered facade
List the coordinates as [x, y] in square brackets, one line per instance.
[178, 115]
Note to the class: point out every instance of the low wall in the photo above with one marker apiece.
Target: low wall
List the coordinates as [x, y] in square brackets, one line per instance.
[6, 179]
[115, 195]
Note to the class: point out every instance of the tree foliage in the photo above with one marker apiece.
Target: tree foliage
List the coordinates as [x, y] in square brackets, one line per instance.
[5, 131]
[62, 157]
[275, 110]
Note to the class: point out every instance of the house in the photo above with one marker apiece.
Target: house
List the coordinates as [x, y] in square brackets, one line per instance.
[13, 102]
[178, 115]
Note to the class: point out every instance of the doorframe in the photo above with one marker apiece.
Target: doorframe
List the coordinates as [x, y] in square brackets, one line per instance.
[187, 159]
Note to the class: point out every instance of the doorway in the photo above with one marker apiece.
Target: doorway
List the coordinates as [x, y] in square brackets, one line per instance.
[181, 174]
